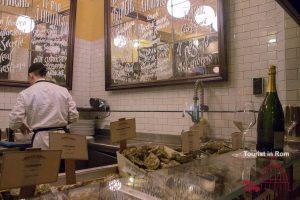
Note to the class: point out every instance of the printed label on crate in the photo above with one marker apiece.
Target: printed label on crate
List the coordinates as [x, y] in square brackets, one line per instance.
[29, 168]
[122, 130]
[190, 141]
[72, 146]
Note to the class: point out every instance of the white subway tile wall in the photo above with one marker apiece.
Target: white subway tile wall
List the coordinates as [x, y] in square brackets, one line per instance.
[7, 100]
[82, 72]
[292, 60]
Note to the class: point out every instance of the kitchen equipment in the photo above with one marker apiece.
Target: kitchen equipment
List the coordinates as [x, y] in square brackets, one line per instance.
[99, 104]
[195, 108]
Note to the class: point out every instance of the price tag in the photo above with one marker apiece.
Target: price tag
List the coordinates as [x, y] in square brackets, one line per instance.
[190, 141]
[29, 168]
[72, 146]
[122, 130]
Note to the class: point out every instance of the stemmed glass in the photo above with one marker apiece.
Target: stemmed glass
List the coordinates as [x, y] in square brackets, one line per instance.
[290, 123]
[244, 120]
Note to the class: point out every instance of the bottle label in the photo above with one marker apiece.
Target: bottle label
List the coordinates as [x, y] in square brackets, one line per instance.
[278, 140]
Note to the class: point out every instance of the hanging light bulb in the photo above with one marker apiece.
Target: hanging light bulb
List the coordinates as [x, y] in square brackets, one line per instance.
[25, 24]
[205, 15]
[120, 41]
[136, 43]
[178, 8]
[215, 24]
[196, 42]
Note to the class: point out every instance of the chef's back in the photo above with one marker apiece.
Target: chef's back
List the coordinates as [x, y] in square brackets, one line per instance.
[45, 107]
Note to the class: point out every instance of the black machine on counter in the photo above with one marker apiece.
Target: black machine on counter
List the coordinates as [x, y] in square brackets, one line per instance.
[99, 104]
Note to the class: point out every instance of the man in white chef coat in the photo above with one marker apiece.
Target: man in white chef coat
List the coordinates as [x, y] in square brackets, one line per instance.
[43, 107]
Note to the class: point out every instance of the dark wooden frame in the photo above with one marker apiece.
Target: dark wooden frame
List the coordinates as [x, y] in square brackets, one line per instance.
[222, 54]
[290, 9]
[71, 41]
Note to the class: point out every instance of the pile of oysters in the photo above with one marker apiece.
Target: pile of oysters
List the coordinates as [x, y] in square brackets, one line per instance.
[215, 147]
[154, 157]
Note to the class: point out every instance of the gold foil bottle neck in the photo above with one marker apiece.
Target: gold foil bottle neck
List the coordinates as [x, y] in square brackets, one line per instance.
[272, 69]
[272, 79]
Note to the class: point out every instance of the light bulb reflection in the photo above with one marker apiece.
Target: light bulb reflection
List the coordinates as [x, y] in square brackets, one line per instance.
[136, 43]
[120, 41]
[131, 179]
[25, 24]
[196, 43]
[205, 15]
[215, 24]
[178, 8]
[273, 40]
[216, 70]
[114, 185]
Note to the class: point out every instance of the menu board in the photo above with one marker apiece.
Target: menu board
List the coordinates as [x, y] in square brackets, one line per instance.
[163, 42]
[34, 31]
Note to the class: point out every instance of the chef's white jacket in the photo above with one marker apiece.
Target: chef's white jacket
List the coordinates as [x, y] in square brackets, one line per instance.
[43, 105]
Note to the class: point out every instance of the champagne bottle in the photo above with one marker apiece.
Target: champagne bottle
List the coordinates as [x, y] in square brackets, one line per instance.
[270, 123]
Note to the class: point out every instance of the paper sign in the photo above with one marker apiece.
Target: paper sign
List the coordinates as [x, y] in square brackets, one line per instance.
[28, 168]
[190, 141]
[72, 146]
[122, 130]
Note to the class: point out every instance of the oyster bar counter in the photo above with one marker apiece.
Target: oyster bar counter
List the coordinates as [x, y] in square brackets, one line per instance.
[143, 174]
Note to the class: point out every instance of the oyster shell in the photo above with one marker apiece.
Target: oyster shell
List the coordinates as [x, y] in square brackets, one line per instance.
[152, 162]
[172, 163]
[154, 157]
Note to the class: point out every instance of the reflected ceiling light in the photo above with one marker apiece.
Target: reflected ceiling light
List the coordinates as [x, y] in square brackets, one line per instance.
[205, 15]
[273, 40]
[178, 8]
[215, 24]
[114, 185]
[120, 41]
[131, 179]
[25, 24]
[136, 43]
[216, 70]
[196, 43]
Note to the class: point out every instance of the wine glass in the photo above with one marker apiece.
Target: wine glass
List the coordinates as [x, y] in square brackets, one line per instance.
[244, 120]
[290, 123]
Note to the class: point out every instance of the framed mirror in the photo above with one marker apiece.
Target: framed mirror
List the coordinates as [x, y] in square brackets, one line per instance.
[163, 42]
[36, 31]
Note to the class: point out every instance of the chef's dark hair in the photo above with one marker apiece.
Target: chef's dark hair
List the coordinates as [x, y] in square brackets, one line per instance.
[38, 69]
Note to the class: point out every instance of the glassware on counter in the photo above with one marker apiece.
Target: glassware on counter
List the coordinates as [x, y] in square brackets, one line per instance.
[244, 120]
[290, 122]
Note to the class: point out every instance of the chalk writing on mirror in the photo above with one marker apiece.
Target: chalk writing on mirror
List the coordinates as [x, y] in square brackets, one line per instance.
[120, 11]
[15, 3]
[150, 44]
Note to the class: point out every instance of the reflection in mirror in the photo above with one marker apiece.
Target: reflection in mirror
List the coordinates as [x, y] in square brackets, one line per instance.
[159, 42]
[35, 31]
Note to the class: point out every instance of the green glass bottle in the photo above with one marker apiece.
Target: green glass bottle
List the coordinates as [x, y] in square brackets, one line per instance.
[270, 122]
